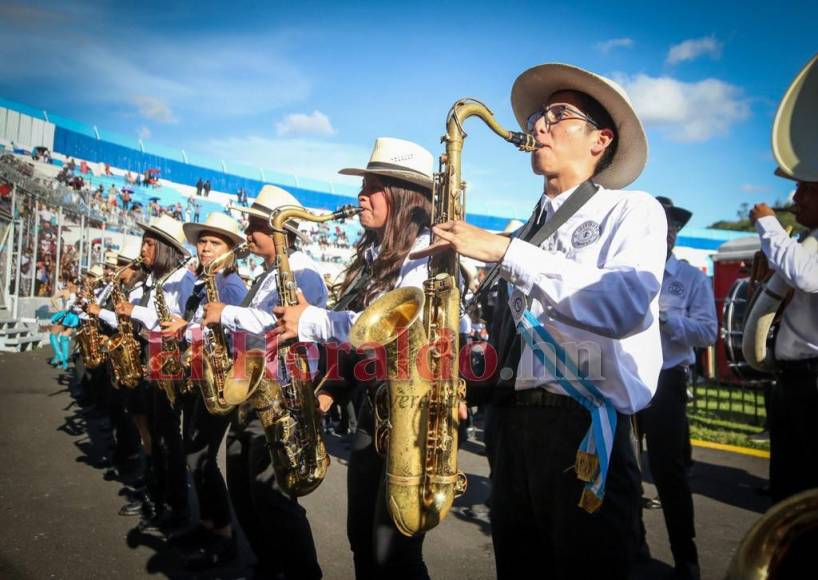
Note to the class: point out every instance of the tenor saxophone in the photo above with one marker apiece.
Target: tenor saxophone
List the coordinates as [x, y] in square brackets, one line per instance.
[90, 338]
[167, 364]
[123, 348]
[285, 402]
[419, 332]
[215, 351]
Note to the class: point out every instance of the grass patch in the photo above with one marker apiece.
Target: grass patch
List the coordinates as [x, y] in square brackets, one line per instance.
[727, 415]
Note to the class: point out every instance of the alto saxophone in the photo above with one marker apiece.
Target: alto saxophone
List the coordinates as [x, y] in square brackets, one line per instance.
[419, 332]
[286, 403]
[215, 351]
[167, 364]
[124, 349]
[90, 338]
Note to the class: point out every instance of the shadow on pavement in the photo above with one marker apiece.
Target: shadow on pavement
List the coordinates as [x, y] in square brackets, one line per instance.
[744, 490]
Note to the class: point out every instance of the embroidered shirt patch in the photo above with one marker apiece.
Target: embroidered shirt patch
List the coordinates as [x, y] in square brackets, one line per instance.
[676, 288]
[585, 234]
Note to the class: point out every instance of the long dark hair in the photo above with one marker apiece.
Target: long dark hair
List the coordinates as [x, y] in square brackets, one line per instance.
[410, 211]
[167, 257]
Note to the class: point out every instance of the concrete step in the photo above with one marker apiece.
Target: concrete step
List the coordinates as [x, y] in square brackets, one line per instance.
[22, 343]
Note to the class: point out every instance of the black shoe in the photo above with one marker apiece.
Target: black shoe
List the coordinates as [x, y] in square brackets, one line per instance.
[217, 552]
[166, 521]
[651, 503]
[138, 507]
[190, 538]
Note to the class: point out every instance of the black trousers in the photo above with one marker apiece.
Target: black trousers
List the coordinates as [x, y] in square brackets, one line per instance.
[126, 436]
[664, 424]
[538, 529]
[379, 550]
[793, 428]
[275, 525]
[169, 469]
[203, 434]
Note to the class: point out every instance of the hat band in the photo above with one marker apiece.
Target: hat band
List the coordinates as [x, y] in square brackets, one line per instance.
[382, 165]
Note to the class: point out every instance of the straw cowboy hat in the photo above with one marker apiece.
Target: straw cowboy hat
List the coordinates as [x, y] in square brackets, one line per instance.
[168, 230]
[535, 86]
[398, 159]
[676, 216]
[216, 222]
[270, 199]
[130, 251]
[95, 271]
[110, 259]
[795, 146]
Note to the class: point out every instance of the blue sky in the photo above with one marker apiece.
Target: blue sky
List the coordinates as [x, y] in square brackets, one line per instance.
[305, 87]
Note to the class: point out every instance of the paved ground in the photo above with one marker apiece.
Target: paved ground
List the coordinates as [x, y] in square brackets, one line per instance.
[58, 515]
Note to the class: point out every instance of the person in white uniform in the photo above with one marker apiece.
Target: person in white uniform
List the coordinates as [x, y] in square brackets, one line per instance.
[687, 317]
[275, 524]
[576, 330]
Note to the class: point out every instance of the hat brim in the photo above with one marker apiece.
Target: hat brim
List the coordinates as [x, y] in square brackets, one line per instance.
[194, 230]
[779, 172]
[265, 215]
[535, 86]
[678, 216]
[410, 176]
[163, 236]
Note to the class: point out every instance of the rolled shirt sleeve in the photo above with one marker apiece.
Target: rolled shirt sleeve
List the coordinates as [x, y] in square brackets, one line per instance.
[798, 266]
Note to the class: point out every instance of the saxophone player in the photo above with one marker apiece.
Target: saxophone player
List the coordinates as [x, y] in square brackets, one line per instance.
[396, 200]
[576, 332]
[794, 397]
[211, 542]
[162, 251]
[276, 525]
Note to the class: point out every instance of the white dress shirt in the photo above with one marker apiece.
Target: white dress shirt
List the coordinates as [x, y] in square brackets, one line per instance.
[109, 316]
[688, 305]
[176, 289]
[257, 317]
[320, 325]
[798, 334]
[594, 286]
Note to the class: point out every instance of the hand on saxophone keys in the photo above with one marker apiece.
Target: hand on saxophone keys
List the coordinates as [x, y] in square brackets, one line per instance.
[288, 317]
[93, 309]
[172, 328]
[759, 211]
[467, 240]
[124, 308]
[212, 313]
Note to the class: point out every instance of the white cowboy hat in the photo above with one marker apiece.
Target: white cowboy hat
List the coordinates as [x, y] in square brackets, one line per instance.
[168, 229]
[269, 199]
[795, 146]
[534, 87]
[130, 251]
[398, 159]
[110, 259]
[95, 271]
[217, 222]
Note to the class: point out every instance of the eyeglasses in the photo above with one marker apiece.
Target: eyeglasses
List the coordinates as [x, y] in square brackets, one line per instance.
[556, 114]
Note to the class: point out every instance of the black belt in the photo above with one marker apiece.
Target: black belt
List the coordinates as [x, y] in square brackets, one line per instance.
[804, 366]
[539, 397]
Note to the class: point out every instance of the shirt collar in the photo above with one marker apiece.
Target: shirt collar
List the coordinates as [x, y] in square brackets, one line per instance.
[672, 265]
[552, 204]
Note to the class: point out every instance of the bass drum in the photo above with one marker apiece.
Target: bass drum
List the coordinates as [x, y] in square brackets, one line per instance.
[736, 307]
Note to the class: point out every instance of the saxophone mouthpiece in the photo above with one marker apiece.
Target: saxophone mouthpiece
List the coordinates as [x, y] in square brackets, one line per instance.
[524, 141]
[348, 211]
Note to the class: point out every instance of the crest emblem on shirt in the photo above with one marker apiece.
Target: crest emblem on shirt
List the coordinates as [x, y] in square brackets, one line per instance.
[585, 234]
[676, 288]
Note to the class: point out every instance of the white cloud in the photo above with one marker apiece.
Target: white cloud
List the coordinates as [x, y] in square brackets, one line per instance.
[693, 49]
[144, 133]
[298, 124]
[608, 45]
[694, 111]
[153, 108]
[305, 158]
[753, 188]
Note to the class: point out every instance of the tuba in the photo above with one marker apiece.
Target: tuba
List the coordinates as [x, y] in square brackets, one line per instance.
[419, 331]
[124, 349]
[167, 364]
[795, 151]
[286, 403]
[215, 350]
[90, 338]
